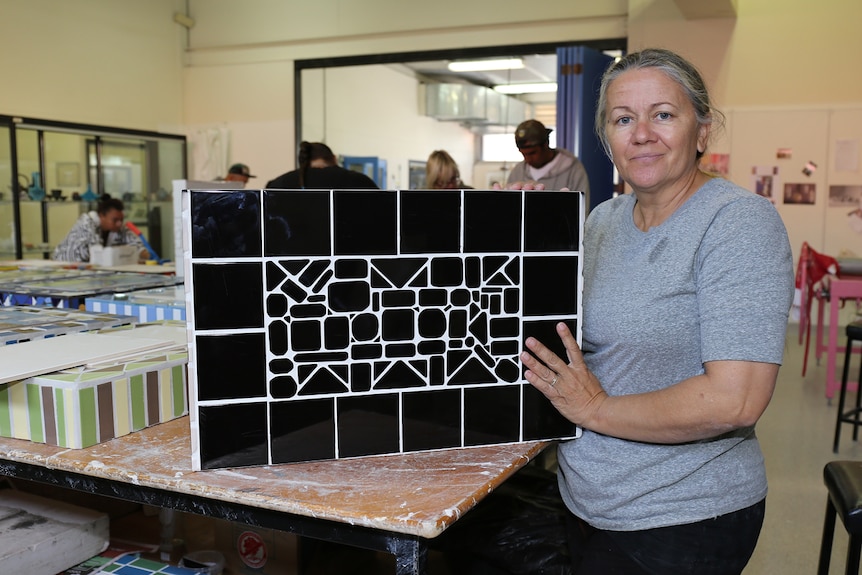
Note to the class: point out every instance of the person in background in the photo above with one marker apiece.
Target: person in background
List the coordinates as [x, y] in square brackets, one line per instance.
[543, 167]
[688, 282]
[441, 172]
[319, 169]
[103, 227]
[239, 173]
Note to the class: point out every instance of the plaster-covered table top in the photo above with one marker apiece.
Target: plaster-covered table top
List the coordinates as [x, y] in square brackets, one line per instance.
[419, 494]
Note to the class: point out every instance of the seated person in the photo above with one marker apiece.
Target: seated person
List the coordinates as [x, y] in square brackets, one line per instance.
[441, 172]
[103, 227]
[319, 170]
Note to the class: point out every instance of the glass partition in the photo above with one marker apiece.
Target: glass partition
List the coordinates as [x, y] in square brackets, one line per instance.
[56, 171]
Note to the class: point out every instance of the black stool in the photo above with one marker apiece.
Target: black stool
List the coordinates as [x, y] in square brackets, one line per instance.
[844, 481]
[851, 416]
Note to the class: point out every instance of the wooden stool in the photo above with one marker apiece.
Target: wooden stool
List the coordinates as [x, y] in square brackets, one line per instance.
[851, 416]
[844, 482]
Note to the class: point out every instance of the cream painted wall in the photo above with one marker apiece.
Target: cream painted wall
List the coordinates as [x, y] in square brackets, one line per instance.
[122, 62]
[780, 73]
[240, 69]
[106, 62]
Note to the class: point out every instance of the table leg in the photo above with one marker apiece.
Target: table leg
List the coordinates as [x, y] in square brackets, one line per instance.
[411, 556]
[832, 345]
[819, 347]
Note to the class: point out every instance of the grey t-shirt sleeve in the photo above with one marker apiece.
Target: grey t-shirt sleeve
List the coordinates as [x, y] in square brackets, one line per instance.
[743, 307]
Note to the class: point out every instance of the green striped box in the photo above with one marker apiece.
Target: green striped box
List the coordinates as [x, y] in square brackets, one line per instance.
[83, 406]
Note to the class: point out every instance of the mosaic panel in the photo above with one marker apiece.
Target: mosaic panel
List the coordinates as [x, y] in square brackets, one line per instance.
[333, 324]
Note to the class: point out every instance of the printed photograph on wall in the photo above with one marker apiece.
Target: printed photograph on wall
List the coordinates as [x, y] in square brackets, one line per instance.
[764, 179]
[845, 196]
[800, 193]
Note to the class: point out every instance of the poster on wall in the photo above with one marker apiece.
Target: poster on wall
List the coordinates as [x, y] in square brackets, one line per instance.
[849, 198]
[800, 193]
[764, 180]
[847, 155]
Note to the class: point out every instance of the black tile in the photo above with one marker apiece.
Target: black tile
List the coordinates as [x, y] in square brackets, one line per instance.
[492, 221]
[233, 435]
[550, 285]
[365, 222]
[447, 272]
[492, 415]
[230, 366]
[541, 418]
[303, 430]
[351, 269]
[297, 223]
[430, 221]
[551, 221]
[546, 332]
[345, 296]
[368, 425]
[336, 332]
[398, 324]
[225, 224]
[228, 295]
[432, 419]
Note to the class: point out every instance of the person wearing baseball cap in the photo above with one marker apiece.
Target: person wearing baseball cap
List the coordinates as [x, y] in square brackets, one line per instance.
[545, 167]
[239, 173]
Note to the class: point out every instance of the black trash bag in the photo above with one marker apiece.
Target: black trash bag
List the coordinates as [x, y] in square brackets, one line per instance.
[519, 529]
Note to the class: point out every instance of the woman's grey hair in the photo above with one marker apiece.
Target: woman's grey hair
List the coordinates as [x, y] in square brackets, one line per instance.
[677, 69]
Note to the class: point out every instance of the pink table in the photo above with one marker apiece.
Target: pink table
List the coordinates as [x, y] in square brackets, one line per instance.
[840, 289]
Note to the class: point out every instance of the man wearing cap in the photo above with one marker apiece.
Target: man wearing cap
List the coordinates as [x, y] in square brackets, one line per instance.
[554, 168]
[238, 173]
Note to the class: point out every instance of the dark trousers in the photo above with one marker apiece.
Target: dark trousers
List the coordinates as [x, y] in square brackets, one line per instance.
[719, 546]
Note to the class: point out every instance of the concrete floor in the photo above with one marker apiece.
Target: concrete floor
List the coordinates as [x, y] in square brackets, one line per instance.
[796, 434]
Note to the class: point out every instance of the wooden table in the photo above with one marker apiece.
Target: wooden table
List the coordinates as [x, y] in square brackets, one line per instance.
[393, 504]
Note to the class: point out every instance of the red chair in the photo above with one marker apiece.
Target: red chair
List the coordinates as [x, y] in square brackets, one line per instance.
[810, 273]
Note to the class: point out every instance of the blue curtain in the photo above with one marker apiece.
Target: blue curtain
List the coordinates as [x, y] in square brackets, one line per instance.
[579, 72]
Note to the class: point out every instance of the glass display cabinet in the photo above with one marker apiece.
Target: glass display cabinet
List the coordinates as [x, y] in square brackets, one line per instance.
[55, 171]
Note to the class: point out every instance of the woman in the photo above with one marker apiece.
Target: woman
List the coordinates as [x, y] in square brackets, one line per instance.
[687, 285]
[441, 172]
[102, 227]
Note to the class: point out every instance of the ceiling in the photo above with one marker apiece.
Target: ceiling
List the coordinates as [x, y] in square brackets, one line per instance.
[537, 68]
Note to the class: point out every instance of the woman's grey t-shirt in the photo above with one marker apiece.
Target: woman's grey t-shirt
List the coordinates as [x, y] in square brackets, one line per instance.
[713, 282]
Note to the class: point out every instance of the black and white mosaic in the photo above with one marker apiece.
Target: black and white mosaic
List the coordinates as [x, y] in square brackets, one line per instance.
[332, 324]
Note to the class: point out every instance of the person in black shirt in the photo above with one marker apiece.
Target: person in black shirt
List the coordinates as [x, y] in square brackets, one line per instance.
[319, 170]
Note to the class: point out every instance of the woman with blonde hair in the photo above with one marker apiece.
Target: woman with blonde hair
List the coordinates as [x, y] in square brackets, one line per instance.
[441, 172]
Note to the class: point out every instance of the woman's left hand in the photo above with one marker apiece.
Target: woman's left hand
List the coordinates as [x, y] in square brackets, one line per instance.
[571, 387]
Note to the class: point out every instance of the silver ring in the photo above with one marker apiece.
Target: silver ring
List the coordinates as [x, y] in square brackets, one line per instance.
[554, 381]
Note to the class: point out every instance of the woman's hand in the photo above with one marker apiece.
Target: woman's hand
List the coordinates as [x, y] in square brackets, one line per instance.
[571, 387]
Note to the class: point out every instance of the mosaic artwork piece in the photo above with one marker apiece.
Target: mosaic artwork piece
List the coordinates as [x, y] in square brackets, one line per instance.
[20, 324]
[334, 324]
[136, 565]
[83, 406]
[64, 288]
[147, 305]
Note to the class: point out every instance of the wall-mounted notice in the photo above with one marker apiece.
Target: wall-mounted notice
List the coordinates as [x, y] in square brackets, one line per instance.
[847, 155]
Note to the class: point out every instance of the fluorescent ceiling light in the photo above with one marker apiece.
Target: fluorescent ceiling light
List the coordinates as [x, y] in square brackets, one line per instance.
[526, 88]
[485, 65]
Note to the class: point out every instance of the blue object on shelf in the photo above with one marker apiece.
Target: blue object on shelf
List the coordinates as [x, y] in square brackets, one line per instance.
[89, 196]
[36, 191]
